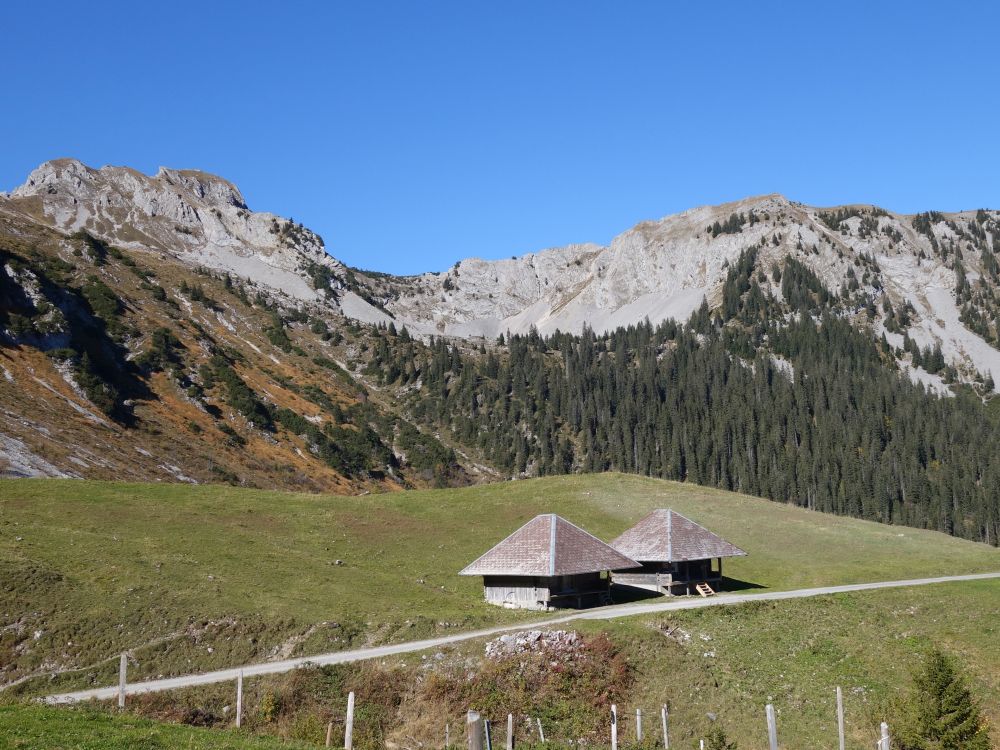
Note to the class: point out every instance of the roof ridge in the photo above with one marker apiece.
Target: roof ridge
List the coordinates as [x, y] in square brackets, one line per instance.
[670, 534]
[553, 518]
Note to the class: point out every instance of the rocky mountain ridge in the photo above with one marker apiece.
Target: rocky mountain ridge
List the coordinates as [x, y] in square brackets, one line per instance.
[936, 272]
[189, 215]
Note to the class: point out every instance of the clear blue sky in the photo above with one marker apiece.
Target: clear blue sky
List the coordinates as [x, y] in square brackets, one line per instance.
[413, 134]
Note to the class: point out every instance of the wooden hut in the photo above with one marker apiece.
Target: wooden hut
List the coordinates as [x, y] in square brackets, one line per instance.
[678, 556]
[547, 563]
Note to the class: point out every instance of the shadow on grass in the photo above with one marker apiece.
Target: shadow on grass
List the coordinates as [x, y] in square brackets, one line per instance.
[735, 584]
[625, 594]
[622, 594]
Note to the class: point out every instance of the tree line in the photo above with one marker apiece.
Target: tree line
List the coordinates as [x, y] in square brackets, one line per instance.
[781, 399]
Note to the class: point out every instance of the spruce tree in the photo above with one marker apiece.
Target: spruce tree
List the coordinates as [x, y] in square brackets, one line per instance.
[942, 714]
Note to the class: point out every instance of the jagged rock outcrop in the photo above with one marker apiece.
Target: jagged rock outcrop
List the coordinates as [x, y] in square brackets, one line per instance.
[196, 217]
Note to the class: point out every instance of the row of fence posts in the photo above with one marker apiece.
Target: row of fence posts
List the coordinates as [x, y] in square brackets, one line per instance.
[664, 721]
[478, 729]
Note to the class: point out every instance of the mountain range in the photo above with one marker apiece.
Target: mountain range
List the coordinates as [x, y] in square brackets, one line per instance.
[656, 270]
[155, 327]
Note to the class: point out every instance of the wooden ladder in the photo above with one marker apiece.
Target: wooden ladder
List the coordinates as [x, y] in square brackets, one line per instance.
[704, 589]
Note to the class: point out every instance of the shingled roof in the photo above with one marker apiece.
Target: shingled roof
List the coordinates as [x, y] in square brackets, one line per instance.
[548, 545]
[667, 536]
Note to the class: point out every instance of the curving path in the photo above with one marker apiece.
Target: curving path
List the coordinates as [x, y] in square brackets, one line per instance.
[602, 613]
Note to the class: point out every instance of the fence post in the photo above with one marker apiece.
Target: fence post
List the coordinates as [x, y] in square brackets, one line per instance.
[329, 734]
[614, 727]
[447, 736]
[840, 716]
[489, 739]
[474, 730]
[541, 734]
[349, 723]
[122, 667]
[638, 725]
[239, 699]
[884, 743]
[510, 731]
[666, 734]
[772, 728]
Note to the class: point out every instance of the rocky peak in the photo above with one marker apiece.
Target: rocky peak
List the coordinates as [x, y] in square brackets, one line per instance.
[204, 186]
[196, 217]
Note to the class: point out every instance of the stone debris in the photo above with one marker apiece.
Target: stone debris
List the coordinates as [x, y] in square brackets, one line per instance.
[551, 642]
[675, 633]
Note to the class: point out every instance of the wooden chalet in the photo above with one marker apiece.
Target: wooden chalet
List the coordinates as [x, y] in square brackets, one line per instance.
[547, 563]
[677, 555]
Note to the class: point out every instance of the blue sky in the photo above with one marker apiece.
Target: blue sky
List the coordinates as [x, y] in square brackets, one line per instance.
[413, 134]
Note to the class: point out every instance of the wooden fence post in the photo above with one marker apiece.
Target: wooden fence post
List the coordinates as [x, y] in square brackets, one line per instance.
[474, 730]
[239, 699]
[329, 734]
[447, 736]
[772, 728]
[122, 667]
[349, 723]
[614, 727]
[541, 734]
[840, 716]
[884, 743]
[510, 731]
[638, 725]
[666, 734]
[489, 738]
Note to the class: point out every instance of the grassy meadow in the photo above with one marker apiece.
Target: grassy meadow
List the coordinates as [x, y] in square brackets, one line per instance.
[725, 662]
[192, 578]
[30, 727]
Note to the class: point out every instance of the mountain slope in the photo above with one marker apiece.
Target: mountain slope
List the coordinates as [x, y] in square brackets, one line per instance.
[156, 328]
[941, 269]
[131, 364]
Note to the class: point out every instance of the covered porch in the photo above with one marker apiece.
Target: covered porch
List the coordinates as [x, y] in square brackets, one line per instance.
[674, 579]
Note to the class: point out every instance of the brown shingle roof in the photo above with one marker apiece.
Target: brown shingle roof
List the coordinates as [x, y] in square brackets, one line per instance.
[667, 536]
[549, 545]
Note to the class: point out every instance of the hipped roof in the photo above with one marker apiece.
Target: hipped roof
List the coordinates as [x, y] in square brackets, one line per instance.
[667, 536]
[549, 545]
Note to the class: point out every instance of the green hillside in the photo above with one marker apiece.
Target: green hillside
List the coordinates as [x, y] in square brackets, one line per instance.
[194, 578]
[24, 727]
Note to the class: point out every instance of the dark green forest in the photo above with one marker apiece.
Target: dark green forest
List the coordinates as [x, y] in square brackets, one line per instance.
[782, 399]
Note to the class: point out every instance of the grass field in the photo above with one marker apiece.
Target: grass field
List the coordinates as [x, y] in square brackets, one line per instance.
[28, 728]
[191, 578]
[794, 654]
[725, 662]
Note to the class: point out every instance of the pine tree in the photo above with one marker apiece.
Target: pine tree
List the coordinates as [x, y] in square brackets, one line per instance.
[942, 714]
